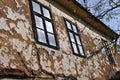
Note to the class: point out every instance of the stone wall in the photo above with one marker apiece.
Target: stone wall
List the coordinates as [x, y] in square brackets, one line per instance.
[21, 55]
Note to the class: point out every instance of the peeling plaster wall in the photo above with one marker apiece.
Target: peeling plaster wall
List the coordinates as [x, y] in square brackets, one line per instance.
[19, 50]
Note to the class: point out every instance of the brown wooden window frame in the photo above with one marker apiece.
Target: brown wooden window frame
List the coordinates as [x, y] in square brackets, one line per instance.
[77, 40]
[46, 34]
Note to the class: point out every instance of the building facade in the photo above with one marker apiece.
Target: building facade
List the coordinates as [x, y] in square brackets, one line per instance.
[54, 40]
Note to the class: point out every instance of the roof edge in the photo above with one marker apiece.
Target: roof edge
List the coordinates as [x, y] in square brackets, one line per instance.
[88, 17]
[95, 17]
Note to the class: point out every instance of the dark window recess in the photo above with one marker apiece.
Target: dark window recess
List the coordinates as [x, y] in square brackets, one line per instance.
[43, 25]
[12, 74]
[74, 39]
[108, 52]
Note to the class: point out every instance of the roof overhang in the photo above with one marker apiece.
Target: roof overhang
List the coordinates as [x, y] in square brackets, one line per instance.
[86, 16]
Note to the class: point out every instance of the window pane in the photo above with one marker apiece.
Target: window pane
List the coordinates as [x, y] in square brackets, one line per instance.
[46, 13]
[51, 39]
[68, 25]
[41, 36]
[39, 22]
[106, 44]
[49, 26]
[74, 48]
[36, 7]
[81, 50]
[78, 39]
[71, 37]
[74, 28]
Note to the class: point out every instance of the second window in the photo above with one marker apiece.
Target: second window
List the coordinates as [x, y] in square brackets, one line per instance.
[74, 39]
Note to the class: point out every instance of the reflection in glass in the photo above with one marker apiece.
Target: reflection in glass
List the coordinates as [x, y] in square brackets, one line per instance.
[49, 26]
[51, 39]
[39, 22]
[74, 48]
[46, 12]
[81, 50]
[74, 28]
[71, 37]
[78, 39]
[36, 7]
[68, 25]
[41, 36]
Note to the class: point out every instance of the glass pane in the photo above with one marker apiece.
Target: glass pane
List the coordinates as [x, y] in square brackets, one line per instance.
[36, 7]
[106, 43]
[49, 26]
[81, 50]
[78, 39]
[39, 22]
[74, 48]
[46, 12]
[41, 36]
[71, 37]
[51, 39]
[68, 25]
[74, 28]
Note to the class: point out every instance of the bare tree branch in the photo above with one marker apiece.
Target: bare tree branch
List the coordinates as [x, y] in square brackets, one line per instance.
[100, 16]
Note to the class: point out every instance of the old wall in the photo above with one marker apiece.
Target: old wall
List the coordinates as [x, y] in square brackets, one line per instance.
[20, 52]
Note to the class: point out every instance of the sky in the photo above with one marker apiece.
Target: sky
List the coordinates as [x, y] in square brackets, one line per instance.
[113, 23]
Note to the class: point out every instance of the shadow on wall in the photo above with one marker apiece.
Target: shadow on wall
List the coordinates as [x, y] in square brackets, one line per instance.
[116, 76]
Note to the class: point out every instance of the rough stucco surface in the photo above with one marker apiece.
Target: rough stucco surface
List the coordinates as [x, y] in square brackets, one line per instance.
[19, 50]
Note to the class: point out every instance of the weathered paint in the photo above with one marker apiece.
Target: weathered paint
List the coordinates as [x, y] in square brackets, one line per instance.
[19, 50]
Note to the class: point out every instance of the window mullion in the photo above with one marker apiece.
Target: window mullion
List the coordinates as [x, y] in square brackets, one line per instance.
[41, 10]
[35, 13]
[76, 43]
[47, 37]
[45, 30]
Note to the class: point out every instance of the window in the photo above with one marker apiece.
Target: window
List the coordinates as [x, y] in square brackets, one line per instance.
[108, 52]
[74, 39]
[43, 25]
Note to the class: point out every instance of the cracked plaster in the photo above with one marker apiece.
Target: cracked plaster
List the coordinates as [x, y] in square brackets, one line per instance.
[60, 61]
